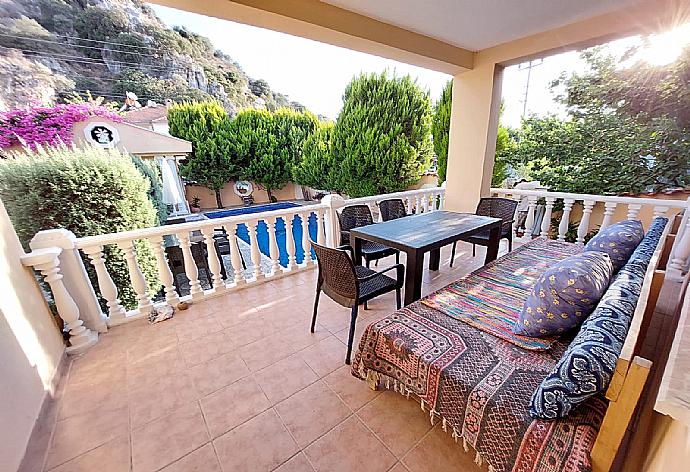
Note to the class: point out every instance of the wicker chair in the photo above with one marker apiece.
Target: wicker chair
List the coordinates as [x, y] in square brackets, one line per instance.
[350, 285]
[392, 209]
[503, 208]
[354, 216]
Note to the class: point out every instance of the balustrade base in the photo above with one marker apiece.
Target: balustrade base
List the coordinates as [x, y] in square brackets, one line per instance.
[83, 343]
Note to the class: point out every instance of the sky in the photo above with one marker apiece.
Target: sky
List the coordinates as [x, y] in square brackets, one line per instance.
[315, 74]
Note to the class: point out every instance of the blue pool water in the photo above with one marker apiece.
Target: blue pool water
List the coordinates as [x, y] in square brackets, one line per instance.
[262, 229]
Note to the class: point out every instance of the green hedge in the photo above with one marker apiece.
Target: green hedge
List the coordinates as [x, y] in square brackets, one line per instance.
[88, 191]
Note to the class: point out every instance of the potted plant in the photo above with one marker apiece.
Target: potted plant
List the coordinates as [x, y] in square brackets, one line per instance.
[195, 206]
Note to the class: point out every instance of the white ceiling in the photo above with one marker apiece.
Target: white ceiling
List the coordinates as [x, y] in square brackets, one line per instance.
[479, 24]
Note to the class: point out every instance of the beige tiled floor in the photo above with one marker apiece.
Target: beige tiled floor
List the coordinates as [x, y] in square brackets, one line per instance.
[238, 383]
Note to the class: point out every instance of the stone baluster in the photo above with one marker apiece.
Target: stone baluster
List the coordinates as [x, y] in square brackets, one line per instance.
[583, 229]
[546, 222]
[321, 235]
[410, 205]
[254, 243]
[565, 218]
[633, 210]
[271, 225]
[417, 203]
[425, 203]
[136, 277]
[290, 245]
[166, 276]
[235, 256]
[609, 209]
[660, 211]
[190, 268]
[48, 263]
[306, 245]
[529, 222]
[213, 259]
[108, 289]
[681, 249]
[443, 201]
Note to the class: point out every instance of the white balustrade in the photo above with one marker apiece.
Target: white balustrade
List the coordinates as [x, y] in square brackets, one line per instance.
[529, 222]
[273, 245]
[546, 222]
[290, 245]
[254, 245]
[660, 211]
[108, 289]
[213, 259]
[633, 210]
[136, 277]
[306, 245]
[583, 228]
[564, 225]
[190, 268]
[48, 263]
[609, 209]
[164, 272]
[321, 235]
[235, 256]
[410, 205]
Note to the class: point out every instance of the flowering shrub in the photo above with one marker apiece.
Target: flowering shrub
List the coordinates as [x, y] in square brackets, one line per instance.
[47, 126]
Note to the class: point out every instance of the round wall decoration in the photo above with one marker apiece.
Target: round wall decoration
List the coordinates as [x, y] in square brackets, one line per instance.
[243, 188]
[101, 134]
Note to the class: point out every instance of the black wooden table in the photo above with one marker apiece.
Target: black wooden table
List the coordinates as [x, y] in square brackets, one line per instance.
[428, 232]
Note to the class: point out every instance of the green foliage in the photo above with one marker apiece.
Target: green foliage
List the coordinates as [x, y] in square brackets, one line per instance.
[100, 24]
[505, 149]
[213, 162]
[440, 128]
[318, 169]
[129, 48]
[89, 191]
[151, 170]
[151, 88]
[382, 138]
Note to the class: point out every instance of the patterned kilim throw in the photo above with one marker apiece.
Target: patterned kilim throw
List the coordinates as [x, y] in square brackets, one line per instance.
[491, 298]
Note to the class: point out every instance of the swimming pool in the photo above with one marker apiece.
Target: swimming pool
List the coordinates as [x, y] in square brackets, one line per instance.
[262, 229]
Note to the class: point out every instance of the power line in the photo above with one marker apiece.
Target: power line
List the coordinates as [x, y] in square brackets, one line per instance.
[96, 41]
[76, 45]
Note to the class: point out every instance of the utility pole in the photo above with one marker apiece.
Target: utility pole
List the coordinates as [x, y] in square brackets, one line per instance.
[528, 66]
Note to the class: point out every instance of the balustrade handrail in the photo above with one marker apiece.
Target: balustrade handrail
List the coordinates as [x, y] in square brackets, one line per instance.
[390, 196]
[671, 203]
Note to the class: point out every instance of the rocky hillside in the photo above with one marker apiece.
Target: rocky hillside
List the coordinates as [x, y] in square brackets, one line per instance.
[51, 50]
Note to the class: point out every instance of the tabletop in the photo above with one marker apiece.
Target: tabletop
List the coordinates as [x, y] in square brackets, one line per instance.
[425, 231]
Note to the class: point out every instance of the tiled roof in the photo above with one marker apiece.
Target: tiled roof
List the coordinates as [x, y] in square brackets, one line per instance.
[147, 114]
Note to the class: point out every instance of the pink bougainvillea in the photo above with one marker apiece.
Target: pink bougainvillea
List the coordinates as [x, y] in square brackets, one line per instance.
[47, 126]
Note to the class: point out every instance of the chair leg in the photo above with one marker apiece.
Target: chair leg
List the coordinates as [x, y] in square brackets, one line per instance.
[510, 244]
[452, 254]
[474, 250]
[397, 298]
[367, 263]
[376, 263]
[351, 337]
[316, 307]
[397, 257]
[365, 305]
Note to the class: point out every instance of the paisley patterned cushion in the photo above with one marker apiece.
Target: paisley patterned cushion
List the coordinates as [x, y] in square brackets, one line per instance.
[618, 241]
[565, 295]
[588, 364]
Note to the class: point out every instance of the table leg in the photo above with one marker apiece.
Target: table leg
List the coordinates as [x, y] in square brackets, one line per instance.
[413, 276]
[434, 259]
[494, 241]
[357, 246]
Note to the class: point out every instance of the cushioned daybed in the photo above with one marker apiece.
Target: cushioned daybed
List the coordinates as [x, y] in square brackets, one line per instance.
[455, 352]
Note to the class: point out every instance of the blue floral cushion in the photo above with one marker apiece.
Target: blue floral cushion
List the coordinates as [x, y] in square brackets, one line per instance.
[618, 241]
[565, 295]
[587, 366]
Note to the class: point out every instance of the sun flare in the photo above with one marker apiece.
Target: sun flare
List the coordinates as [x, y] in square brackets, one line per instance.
[665, 48]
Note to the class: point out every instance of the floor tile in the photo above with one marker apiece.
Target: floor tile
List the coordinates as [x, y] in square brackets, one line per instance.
[354, 392]
[438, 452]
[148, 367]
[164, 395]
[311, 412]
[230, 316]
[399, 467]
[249, 331]
[285, 377]
[81, 433]
[206, 348]
[167, 439]
[349, 446]
[396, 420]
[233, 405]
[217, 373]
[197, 328]
[298, 463]
[325, 356]
[112, 456]
[83, 398]
[267, 351]
[202, 460]
[260, 444]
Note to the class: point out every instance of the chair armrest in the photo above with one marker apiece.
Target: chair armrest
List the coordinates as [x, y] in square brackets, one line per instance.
[348, 248]
[399, 274]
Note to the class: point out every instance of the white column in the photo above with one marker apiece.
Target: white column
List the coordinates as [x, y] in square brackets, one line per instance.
[583, 229]
[320, 230]
[529, 222]
[565, 218]
[290, 239]
[108, 289]
[609, 209]
[546, 222]
[48, 263]
[681, 249]
[333, 202]
[273, 245]
[235, 257]
[164, 272]
[254, 243]
[190, 268]
[443, 196]
[306, 245]
[633, 210]
[213, 259]
[410, 204]
[417, 203]
[136, 277]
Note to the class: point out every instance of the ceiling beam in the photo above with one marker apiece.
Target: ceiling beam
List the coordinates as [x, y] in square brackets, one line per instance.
[313, 19]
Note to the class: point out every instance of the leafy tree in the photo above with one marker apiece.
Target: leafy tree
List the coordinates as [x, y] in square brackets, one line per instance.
[259, 87]
[382, 138]
[100, 24]
[318, 169]
[440, 128]
[212, 163]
